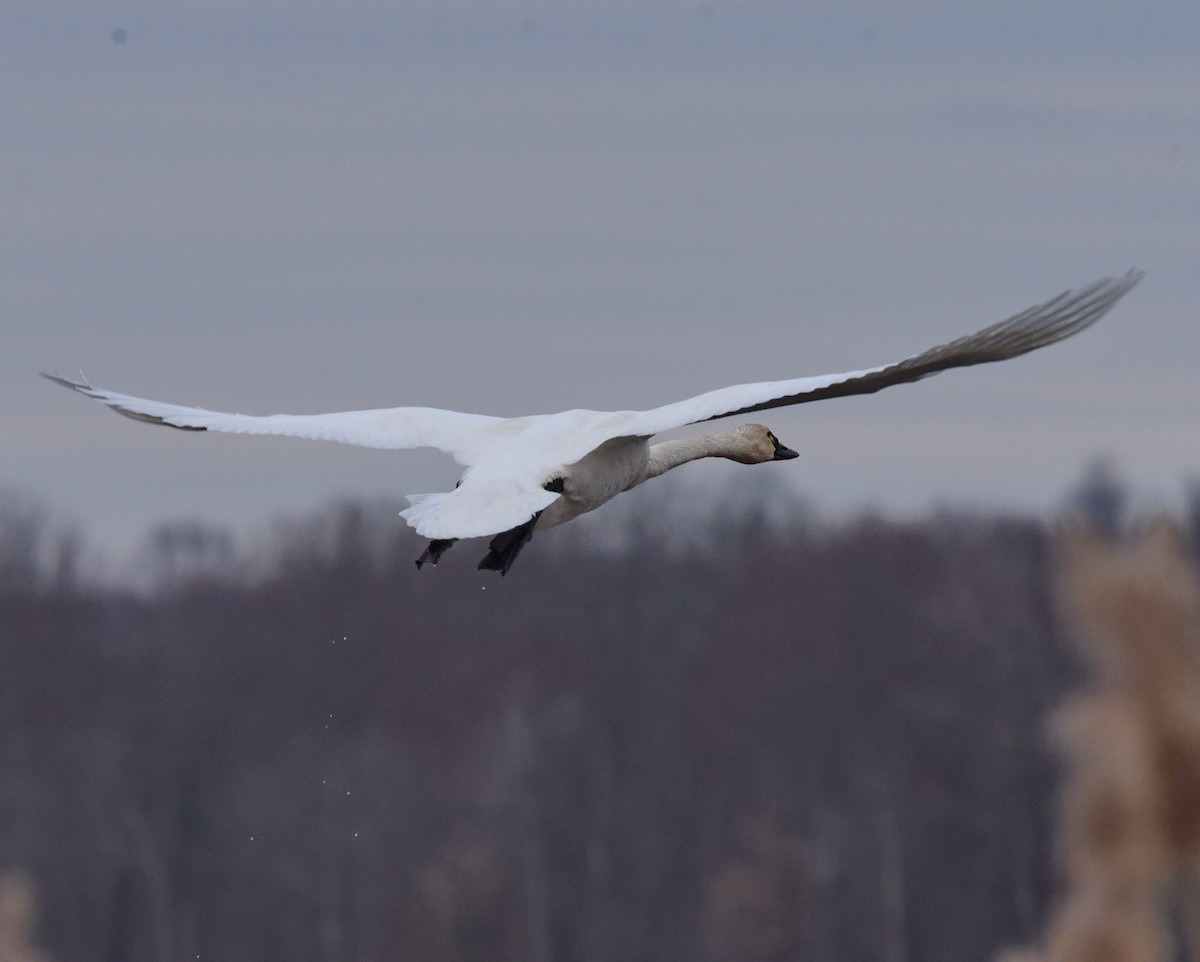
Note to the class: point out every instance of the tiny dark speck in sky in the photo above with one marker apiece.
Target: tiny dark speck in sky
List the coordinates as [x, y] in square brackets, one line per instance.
[119, 35]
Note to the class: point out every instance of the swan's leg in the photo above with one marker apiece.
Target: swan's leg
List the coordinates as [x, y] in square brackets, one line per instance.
[504, 548]
[437, 548]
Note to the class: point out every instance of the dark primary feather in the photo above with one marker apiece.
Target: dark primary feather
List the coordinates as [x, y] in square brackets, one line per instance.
[86, 389]
[1055, 320]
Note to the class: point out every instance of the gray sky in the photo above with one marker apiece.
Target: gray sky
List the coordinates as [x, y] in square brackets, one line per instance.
[517, 207]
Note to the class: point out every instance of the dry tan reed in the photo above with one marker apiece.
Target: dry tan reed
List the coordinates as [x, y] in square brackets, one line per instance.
[18, 911]
[1129, 829]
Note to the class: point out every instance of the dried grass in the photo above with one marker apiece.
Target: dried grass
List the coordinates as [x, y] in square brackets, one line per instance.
[1130, 818]
[18, 913]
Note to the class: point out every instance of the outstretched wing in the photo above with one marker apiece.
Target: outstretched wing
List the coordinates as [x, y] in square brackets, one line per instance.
[1057, 319]
[468, 438]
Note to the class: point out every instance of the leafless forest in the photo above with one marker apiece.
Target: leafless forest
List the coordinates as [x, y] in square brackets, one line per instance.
[780, 739]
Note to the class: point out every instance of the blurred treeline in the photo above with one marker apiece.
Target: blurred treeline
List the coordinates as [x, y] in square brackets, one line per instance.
[779, 738]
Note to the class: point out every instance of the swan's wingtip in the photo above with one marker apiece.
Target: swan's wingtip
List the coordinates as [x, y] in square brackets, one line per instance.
[1112, 289]
[65, 381]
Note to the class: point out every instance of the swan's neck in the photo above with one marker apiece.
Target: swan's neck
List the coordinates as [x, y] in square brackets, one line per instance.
[671, 454]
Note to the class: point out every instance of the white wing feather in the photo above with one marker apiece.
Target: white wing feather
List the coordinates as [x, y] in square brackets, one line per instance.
[468, 438]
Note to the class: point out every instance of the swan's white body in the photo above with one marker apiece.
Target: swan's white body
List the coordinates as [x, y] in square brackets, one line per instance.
[515, 466]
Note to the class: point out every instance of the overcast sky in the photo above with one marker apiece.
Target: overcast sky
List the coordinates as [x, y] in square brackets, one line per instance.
[291, 205]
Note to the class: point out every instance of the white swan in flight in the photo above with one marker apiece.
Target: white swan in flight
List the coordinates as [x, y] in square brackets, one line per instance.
[546, 469]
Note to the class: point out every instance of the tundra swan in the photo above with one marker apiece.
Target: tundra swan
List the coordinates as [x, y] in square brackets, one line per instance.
[547, 469]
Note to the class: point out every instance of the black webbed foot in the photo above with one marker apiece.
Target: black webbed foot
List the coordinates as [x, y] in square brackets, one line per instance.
[437, 548]
[504, 548]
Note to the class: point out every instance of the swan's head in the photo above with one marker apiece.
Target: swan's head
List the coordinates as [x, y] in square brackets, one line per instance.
[754, 444]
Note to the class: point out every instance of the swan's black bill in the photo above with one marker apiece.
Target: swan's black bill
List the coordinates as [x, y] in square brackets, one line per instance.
[782, 453]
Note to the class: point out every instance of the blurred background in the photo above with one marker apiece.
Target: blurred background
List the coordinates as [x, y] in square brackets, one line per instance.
[774, 738]
[796, 713]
